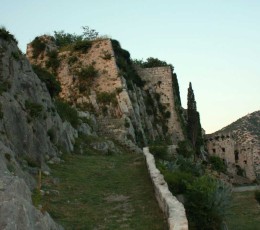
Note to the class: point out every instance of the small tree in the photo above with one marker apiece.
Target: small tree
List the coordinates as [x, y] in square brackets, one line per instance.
[193, 121]
[88, 33]
[207, 203]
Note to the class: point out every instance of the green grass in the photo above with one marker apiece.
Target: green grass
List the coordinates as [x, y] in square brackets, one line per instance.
[244, 213]
[103, 192]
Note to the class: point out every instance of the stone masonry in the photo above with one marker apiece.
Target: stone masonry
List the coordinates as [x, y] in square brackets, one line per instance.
[172, 208]
[160, 79]
[237, 154]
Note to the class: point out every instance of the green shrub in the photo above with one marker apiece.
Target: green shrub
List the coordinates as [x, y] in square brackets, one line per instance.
[51, 134]
[5, 34]
[87, 72]
[127, 123]
[83, 46]
[151, 63]
[72, 60]
[64, 39]
[50, 80]
[107, 98]
[125, 64]
[119, 90]
[207, 201]
[34, 109]
[38, 47]
[8, 157]
[53, 61]
[159, 151]
[67, 113]
[167, 114]
[188, 165]
[1, 112]
[178, 180]
[4, 86]
[257, 196]
[36, 198]
[16, 55]
[240, 171]
[106, 55]
[184, 148]
[32, 162]
[217, 164]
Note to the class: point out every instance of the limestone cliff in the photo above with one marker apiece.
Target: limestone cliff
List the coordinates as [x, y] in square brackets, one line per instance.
[27, 114]
[132, 105]
[239, 145]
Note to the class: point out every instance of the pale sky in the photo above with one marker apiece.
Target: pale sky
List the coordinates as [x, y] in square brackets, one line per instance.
[215, 44]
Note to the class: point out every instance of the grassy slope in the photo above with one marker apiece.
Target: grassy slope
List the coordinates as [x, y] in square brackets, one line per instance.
[245, 212]
[103, 192]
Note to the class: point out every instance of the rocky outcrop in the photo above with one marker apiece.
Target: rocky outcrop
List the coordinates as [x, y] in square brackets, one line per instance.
[102, 80]
[172, 208]
[31, 132]
[17, 211]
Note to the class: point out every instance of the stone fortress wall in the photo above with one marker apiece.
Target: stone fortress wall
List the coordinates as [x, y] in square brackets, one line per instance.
[236, 154]
[160, 80]
[110, 79]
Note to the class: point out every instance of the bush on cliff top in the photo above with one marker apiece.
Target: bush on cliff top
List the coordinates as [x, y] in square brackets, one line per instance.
[6, 35]
[38, 47]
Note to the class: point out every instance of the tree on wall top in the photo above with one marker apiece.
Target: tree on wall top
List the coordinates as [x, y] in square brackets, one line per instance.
[193, 121]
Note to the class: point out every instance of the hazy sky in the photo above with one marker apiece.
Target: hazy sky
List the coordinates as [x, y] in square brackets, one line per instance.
[215, 44]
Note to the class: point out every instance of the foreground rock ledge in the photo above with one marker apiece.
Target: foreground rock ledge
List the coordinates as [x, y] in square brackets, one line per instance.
[172, 208]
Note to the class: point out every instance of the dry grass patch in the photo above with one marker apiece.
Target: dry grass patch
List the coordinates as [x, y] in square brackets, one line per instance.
[244, 213]
[103, 192]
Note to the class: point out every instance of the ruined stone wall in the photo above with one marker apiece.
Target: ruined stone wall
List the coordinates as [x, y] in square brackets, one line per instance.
[243, 154]
[129, 104]
[159, 79]
[172, 208]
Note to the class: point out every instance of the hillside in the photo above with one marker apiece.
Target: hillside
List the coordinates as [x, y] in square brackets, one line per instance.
[133, 105]
[247, 124]
[88, 96]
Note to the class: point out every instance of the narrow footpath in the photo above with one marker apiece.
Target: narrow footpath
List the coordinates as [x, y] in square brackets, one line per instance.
[102, 192]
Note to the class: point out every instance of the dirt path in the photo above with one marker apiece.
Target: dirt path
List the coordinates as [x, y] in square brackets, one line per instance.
[246, 188]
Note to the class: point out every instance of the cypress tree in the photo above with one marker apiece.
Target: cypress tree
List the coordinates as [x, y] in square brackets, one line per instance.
[193, 121]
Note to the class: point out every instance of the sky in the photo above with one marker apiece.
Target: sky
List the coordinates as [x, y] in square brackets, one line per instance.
[215, 44]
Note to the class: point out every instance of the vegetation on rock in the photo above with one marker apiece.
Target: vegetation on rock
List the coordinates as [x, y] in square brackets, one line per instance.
[151, 63]
[107, 98]
[33, 108]
[52, 84]
[67, 113]
[126, 66]
[53, 61]
[217, 164]
[6, 35]
[193, 122]
[87, 72]
[38, 46]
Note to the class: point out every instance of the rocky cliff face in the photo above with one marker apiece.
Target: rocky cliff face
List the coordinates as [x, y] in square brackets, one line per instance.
[239, 145]
[133, 105]
[27, 114]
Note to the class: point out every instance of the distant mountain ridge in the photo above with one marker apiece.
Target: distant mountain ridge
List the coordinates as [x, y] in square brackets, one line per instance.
[249, 124]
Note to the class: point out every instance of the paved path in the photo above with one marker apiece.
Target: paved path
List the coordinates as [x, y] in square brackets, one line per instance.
[246, 188]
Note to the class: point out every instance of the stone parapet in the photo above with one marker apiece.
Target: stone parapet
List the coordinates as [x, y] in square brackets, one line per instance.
[172, 208]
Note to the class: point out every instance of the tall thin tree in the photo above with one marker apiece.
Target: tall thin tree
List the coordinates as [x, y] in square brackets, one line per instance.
[193, 121]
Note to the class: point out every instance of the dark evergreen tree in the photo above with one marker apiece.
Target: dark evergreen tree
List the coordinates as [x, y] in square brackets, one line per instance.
[193, 121]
